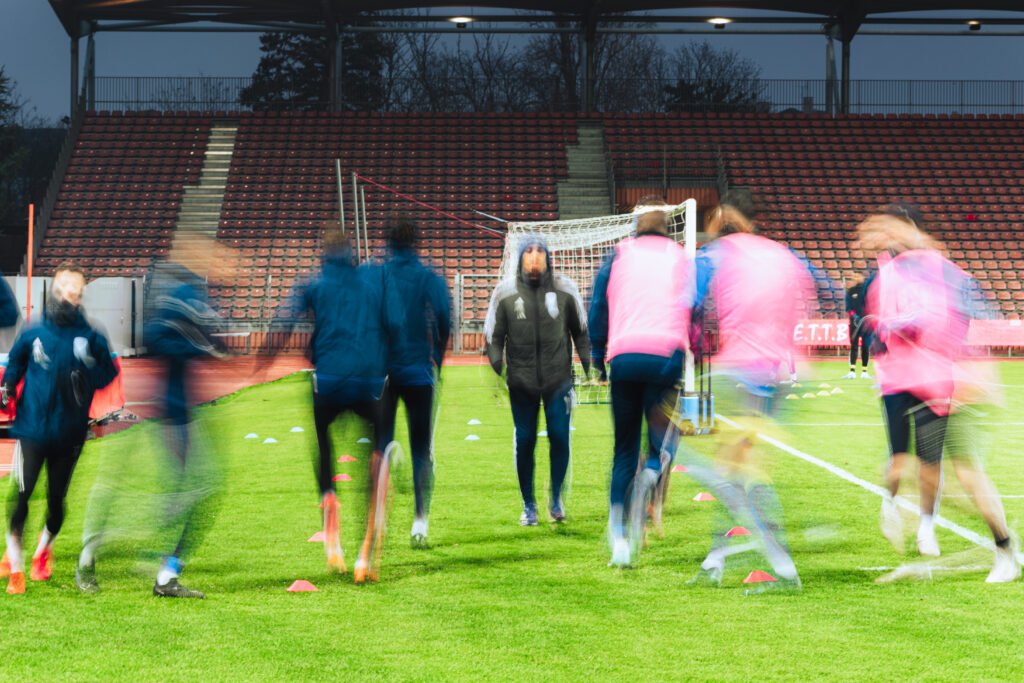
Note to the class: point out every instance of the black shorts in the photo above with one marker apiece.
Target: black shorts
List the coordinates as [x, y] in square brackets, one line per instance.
[903, 409]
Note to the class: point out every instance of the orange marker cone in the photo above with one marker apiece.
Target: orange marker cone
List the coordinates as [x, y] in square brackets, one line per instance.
[758, 576]
[341, 477]
[302, 586]
[318, 537]
[703, 496]
[737, 531]
[680, 468]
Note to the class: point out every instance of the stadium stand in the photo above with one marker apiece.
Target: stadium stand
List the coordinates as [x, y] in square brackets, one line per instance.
[118, 203]
[815, 176]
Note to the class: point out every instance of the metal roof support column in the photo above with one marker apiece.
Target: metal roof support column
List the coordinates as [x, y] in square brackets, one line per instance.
[90, 72]
[74, 77]
[588, 61]
[845, 104]
[335, 71]
[831, 91]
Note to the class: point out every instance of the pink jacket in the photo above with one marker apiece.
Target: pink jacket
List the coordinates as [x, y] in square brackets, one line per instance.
[761, 290]
[920, 320]
[648, 297]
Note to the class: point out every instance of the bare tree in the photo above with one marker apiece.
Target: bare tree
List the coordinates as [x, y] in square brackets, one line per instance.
[630, 70]
[713, 79]
[428, 81]
[627, 74]
[489, 76]
[551, 66]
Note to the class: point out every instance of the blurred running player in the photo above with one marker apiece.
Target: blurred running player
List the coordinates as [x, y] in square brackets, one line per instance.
[414, 360]
[639, 324]
[921, 309]
[355, 317]
[760, 290]
[9, 313]
[63, 362]
[179, 333]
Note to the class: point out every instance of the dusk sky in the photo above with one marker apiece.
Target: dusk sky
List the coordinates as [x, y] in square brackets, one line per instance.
[34, 49]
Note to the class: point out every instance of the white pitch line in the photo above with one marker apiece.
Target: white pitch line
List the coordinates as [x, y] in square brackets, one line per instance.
[965, 495]
[873, 488]
[961, 568]
[880, 424]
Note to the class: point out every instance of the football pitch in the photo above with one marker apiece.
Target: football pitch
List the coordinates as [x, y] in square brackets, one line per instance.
[490, 600]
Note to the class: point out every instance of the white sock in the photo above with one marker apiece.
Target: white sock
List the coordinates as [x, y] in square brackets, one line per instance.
[45, 539]
[616, 528]
[88, 556]
[170, 569]
[14, 555]
[714, 560]
[927, 527]
[784, 567]
[419, 525]
[165, 575]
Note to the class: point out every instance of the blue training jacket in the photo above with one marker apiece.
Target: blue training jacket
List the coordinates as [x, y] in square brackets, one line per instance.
[9, 312]
[356, 315]
[63, 366]
[179, 328]
[426, 319]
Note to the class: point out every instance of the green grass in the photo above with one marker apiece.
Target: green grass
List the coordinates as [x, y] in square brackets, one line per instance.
[491, 600]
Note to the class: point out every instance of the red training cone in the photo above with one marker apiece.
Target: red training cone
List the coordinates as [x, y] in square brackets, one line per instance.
[758, 576]
[341, 477]
[704, 496]
[346, 458]
[318, 537]
[302, 586]
[737, 531]
[680, 468]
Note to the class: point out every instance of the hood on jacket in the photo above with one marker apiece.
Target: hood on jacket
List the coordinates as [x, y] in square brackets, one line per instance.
[530, 240]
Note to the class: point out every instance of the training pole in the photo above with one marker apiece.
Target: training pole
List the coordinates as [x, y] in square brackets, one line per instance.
[355, 211]
[341, 195]
[366, 224]
[31, 243]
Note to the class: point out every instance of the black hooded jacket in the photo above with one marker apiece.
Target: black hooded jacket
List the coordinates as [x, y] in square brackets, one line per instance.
[533, 327]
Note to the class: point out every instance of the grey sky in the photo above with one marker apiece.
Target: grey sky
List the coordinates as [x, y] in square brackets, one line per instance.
[35, 52]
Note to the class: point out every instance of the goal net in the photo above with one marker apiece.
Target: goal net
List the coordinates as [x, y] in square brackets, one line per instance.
[579, 247]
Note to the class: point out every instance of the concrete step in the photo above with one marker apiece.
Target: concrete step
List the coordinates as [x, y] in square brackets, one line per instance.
[570, 192]
[591, 188]
[203, 195]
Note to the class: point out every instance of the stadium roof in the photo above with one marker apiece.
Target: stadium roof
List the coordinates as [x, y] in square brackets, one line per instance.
[140, 15]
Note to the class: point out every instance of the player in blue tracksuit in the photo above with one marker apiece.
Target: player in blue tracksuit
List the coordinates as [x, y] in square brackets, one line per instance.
[63, 362]
[355, 316]
[9, 313]
[414, 360]
[179, 332]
